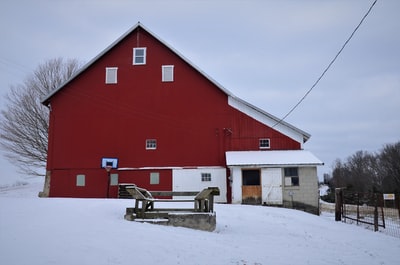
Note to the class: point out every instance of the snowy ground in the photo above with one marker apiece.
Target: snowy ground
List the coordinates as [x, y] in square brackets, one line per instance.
[92, 231]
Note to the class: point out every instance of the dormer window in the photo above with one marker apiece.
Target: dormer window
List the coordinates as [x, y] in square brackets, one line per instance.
[111, 75]
[139, 56]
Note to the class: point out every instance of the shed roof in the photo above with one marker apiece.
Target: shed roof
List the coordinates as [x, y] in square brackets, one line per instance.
[249, 109]
[272, 158]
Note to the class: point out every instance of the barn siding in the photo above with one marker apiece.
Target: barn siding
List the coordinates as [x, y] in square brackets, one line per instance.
[190, 118]
[190, 180]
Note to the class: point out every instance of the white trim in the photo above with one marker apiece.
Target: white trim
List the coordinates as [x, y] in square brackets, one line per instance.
[151, 144]
[167, 168]
[269, 120]
[144, 55]
[264, 147]
[111, 75]
[167, 73]
[285, 158]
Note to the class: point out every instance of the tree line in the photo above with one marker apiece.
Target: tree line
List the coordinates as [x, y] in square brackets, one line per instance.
[368, 172]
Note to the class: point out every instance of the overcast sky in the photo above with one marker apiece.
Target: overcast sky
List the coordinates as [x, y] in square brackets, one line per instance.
[268, 53]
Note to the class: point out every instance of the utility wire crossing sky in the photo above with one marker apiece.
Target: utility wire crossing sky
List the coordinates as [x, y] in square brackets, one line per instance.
[264, 52]
[327, 68]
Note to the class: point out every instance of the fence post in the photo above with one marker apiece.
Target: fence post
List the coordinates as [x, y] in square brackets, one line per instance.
[376, 213]
[397, 199]
[338, 204]
[358, 207]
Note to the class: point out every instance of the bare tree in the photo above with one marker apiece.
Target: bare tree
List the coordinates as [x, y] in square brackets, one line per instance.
[366, 172]
[339, 175]
[24, 121]
[390, 167]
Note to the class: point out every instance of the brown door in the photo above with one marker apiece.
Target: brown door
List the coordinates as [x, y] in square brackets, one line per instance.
[251, 186]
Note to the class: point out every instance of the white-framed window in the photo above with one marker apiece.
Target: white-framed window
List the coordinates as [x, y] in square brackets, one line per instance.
[114, 179]
[111, 75]
[205, 176]
[292, 176]
[139, 56]
[167, 73]
[151, 144]
[264, 143]
[80, 180]
[154, 178]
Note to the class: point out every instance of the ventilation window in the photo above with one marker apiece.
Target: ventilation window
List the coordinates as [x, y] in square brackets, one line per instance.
[151, 144]
[205, 176]
[114, 179]
[139, 56]
[167, 72]
[154, 178]
[80, 180]
[264, 143]
[111, 75]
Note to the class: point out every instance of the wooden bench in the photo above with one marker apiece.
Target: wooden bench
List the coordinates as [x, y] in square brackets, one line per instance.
[144, 202]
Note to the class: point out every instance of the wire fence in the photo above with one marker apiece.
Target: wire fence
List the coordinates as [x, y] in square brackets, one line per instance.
[375, 211]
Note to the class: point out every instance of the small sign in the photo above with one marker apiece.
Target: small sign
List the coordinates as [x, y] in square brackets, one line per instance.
[389, 197]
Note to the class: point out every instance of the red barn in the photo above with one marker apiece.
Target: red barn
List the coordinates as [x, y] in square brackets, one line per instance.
[146, 113]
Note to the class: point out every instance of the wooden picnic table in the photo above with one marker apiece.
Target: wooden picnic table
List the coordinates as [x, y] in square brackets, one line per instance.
[203, 201]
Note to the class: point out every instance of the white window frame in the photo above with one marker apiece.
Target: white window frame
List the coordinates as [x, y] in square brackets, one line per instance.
[151, 144]
[264, 143]
[135, 56]
[205, 177]
[111, 75]
[167, 73]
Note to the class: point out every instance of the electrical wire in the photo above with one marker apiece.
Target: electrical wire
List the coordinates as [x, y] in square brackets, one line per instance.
[327, 68]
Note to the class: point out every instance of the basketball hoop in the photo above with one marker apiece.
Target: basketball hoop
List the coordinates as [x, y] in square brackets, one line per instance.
[109, 163]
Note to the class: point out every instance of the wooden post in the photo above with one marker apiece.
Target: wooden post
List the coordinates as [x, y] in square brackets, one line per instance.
[338, 204]
[382, 212]
[376, 214]
[397, 199]
[358, 207]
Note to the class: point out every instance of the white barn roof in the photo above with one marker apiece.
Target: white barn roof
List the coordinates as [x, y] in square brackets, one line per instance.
[272, 158]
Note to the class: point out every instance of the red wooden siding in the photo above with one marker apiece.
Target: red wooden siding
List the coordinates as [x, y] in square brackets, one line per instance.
[63, 182]
[190, 118]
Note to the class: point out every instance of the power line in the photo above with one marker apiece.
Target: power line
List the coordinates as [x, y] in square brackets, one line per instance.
[327, 68]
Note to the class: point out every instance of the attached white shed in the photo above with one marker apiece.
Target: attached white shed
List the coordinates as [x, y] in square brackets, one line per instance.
[282, 178]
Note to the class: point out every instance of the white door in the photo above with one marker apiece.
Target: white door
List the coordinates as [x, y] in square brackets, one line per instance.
[272, 186]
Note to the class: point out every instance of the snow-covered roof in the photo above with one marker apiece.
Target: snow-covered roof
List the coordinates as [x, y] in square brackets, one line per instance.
[272, 158]
[235, 102]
